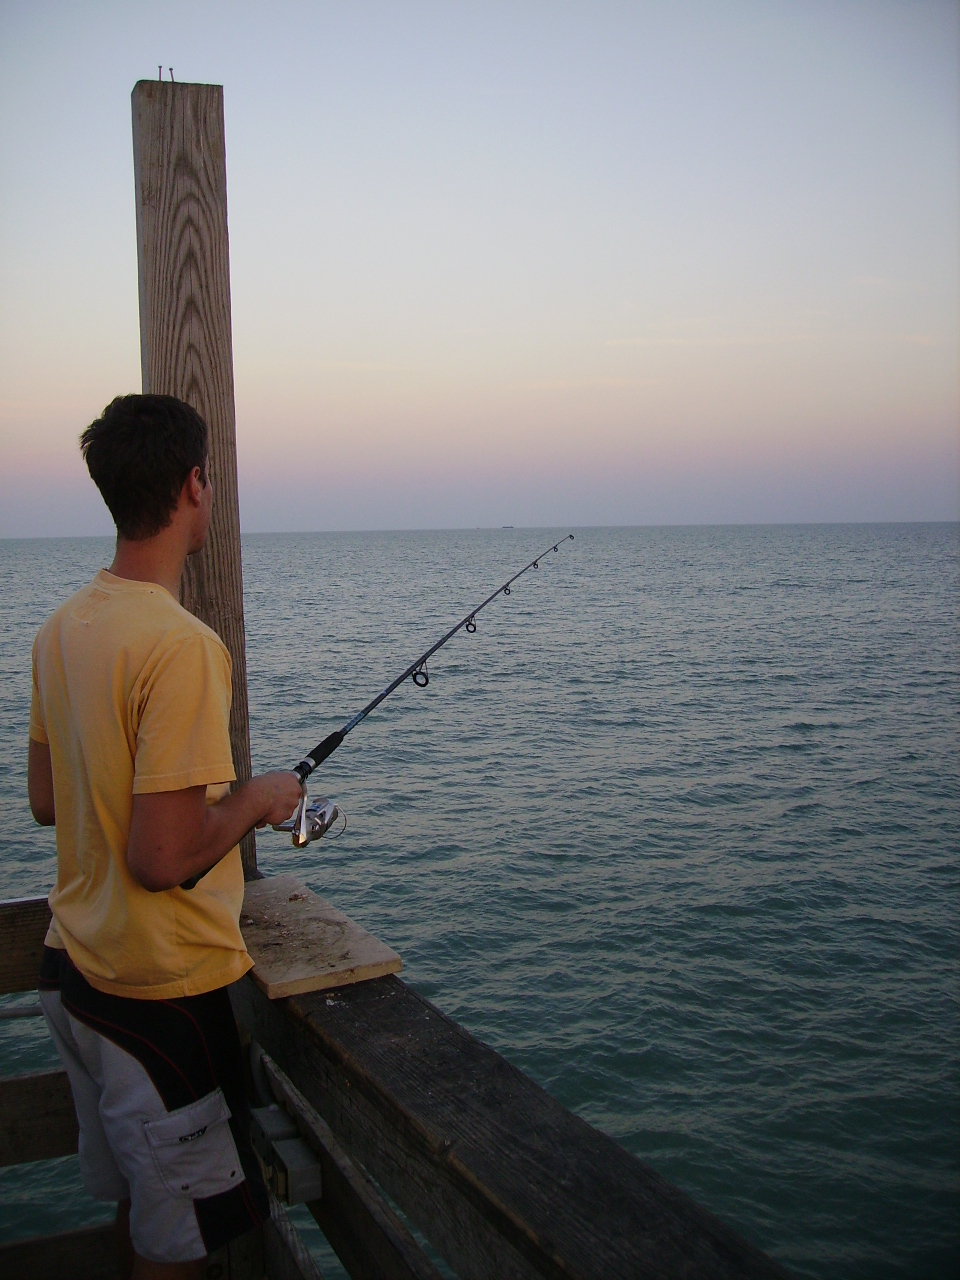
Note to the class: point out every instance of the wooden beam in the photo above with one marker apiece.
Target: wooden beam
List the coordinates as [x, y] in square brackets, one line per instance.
[285, 1254]
[37, 1118]
[368, 1237]
[186, 342]
[23, 927]
[497, 1175]
[88, 1254]
[242, 1259]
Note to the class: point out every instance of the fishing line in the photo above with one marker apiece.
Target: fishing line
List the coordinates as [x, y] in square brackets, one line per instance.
[311, 821]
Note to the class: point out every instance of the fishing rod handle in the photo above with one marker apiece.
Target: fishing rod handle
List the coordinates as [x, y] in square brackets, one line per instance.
[318, 755]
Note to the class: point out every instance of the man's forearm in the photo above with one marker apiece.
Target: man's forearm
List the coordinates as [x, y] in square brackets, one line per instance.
[175, 836]
[224, 826]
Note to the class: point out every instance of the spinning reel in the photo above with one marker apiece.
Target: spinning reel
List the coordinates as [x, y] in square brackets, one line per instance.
[310, 821]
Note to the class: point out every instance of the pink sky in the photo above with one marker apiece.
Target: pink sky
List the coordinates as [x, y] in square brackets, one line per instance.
[512, 265]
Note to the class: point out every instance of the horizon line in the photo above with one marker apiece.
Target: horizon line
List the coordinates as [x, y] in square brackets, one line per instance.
[531, 528]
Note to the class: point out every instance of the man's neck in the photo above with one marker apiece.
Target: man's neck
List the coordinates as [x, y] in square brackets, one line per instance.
[159, 559]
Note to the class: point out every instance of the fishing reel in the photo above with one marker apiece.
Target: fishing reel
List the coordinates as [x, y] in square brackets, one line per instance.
[310, 821]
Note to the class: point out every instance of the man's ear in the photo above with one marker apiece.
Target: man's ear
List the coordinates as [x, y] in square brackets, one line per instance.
[194, 486]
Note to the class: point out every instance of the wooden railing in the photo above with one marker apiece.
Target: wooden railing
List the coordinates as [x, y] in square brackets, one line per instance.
[395, 1098]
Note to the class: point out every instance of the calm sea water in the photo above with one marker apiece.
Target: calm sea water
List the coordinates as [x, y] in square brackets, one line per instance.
[676, 831]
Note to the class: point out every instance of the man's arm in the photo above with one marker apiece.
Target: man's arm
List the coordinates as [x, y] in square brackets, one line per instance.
[175, 835]
[40, 783]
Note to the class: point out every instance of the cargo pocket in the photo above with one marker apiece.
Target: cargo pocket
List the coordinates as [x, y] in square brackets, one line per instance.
[193, 1149]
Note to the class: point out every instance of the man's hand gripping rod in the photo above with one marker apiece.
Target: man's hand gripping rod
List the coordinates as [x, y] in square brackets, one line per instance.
[310, 822]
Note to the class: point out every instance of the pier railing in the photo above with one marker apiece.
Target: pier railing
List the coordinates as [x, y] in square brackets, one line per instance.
[406, 1110]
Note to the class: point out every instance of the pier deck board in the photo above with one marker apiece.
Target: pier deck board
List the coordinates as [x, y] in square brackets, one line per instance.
[300, 942]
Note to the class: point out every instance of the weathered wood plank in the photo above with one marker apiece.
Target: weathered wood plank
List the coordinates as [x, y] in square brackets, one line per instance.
[13, 1013]
[501, 1178]
[37, 1118]
[285, 1254]
[299, 942]
[369, 1238]
[23, 927]
[186, 341]
[88, 1254]
[242, 1259]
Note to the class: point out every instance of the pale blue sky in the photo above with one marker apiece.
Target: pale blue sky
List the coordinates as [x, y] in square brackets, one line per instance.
[511, 263]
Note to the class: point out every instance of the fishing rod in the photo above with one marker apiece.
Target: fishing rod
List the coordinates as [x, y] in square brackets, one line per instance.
[310, 822]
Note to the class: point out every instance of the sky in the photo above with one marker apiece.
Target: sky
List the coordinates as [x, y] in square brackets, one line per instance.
[509, 262]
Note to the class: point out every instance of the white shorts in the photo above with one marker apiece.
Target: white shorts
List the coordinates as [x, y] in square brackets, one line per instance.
[164, 1120]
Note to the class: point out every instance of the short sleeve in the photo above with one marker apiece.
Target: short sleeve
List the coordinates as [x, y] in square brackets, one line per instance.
[38, 729]
[183, 734]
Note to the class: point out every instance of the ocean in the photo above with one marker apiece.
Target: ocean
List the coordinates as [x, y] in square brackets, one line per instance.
[676, 831]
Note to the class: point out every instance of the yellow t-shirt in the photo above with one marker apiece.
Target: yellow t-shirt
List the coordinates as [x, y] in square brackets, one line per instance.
[132, 693]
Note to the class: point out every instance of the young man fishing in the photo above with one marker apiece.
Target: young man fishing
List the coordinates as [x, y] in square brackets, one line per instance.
[129, 757]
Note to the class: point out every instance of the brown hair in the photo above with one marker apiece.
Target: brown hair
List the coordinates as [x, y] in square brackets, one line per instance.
[139, 453]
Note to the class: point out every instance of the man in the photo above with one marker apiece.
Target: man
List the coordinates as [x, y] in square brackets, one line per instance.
[129, 757]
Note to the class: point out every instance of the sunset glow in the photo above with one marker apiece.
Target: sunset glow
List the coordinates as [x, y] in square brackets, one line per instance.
[511, 264]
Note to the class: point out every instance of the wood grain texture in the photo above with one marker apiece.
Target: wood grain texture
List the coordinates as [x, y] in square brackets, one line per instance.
[369, 1238]
[241, 1259]
[284, 1253]
[186, 342]
[37, 1118]
[299, 942]
[88, 1254]
[23, 927]
[501, 1178]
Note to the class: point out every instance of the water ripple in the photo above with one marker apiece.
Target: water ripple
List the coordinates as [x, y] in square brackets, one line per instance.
[676, 831]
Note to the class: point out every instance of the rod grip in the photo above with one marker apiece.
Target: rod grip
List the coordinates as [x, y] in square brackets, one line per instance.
[318, 755]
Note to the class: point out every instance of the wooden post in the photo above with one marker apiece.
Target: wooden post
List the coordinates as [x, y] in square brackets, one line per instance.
[186, 343]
